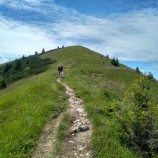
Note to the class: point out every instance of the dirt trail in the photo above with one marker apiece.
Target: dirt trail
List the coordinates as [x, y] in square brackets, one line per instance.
[78, 141]
[45, 144]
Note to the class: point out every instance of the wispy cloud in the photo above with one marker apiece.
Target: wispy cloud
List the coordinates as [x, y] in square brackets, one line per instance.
[130, 36]
[3, 59]
[17, 39]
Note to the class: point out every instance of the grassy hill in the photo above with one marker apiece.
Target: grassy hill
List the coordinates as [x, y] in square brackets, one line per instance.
[26, 104]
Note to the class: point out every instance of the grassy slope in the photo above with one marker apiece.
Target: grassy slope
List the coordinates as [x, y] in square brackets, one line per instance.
[24, 107]
[97, 82]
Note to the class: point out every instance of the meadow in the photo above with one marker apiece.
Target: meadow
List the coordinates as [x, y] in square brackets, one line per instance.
[26, 104]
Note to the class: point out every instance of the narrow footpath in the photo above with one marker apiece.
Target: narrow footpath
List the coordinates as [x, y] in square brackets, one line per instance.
[77, 143]
[46, 142]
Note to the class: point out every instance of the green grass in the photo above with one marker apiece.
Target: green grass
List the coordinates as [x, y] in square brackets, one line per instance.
[24, 108]
[61, 133]
[27, 104]
[98, 83]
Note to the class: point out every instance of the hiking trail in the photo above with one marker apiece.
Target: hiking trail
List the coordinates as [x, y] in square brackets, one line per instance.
[46, 141]
[77, 143]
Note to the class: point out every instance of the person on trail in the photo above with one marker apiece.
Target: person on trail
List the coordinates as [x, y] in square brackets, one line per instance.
[60, 70]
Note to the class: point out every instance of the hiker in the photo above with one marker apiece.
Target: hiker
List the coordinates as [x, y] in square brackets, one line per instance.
[60, 70]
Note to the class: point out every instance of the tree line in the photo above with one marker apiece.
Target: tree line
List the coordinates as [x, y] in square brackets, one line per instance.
[23, 67]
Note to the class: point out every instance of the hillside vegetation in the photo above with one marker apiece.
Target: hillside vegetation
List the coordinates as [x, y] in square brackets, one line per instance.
[21, 68]
[26, 104]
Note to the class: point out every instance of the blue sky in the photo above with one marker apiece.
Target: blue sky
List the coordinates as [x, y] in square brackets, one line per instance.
[126, 29]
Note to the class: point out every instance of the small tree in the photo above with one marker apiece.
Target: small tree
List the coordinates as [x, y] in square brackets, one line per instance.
[115, 62]
[137, 70]
[137, 119]
[150, 76]
[7, 67]
[43, 50]
[17, 64]
[23, 57]
[107, 56]
[3, 84]
[37, 52]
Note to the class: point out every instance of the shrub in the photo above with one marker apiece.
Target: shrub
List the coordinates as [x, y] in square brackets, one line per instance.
[7, 67]
[43, 50]
[3, 84]
[36, 53]
[137, 70]
[17, 64]
[107, 56]
[115, 62]
[137, 119]
[150, 76]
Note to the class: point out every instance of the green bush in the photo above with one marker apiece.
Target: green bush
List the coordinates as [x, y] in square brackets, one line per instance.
[150, 76]
[137, 70]
[137, 119]
[115, 62]
[7, 67]
[3, 84]
[107, 56]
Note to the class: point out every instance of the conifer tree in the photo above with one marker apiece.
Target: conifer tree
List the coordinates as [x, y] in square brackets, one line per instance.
[137, 70]
[3, 84]
[115, 62]
[107, 56]
[43, 50]
[17, 64]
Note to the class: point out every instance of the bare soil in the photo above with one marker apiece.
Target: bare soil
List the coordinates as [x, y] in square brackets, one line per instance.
[45, 144]
[78, 140]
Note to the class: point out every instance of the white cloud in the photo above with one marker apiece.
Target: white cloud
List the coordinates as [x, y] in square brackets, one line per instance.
[3, 59]
[132, 36]
[10, 2]
[17, 39]
[23, 4]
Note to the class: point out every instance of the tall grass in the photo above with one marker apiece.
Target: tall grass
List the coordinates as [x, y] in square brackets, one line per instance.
[61, 133]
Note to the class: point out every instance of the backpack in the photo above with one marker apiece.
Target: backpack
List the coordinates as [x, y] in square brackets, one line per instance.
[60, 67]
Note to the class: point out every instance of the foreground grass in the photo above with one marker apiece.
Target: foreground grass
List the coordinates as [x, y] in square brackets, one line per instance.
[61, 133]
[24, 108]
